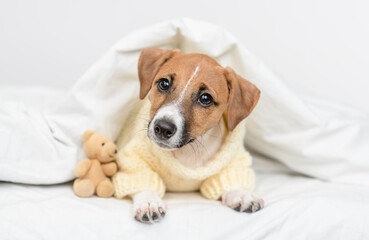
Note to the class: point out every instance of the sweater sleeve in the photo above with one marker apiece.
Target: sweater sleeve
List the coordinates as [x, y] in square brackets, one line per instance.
[135, 174]
[238, 174]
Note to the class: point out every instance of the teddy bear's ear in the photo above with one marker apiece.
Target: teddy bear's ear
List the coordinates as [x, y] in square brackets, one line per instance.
[87, 135]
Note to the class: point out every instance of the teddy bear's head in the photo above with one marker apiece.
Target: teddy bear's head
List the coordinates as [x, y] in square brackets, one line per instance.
[98, 146]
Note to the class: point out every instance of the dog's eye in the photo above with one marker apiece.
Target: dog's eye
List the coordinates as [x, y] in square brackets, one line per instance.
[102, 144]
[163, 84]
[205, 99]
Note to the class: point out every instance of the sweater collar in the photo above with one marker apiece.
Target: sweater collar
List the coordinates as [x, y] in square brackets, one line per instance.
[233, 141]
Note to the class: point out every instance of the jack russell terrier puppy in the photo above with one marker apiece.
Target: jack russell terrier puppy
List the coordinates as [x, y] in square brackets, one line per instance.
[187, 136]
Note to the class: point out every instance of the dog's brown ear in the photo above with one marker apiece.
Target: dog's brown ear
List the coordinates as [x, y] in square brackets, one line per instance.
[149, 63]
[242, 98]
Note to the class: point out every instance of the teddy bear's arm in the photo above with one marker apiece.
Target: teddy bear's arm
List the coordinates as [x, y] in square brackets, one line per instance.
[109, 168]
[82, 167]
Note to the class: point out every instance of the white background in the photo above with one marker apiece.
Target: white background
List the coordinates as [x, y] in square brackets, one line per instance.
[316, 46]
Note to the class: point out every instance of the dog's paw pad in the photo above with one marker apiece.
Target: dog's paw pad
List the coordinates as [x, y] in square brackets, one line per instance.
[148, 213]
[162, 212]
[253, 207]
[148, 208]
[242, 201]
[145, 217]
[237, 208]
[154, 216]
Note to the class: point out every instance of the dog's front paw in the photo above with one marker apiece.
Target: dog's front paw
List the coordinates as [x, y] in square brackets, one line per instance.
[242, 200]
[148, 207]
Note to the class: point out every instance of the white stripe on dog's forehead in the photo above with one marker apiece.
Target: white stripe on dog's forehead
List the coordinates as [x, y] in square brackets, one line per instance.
[188, 83]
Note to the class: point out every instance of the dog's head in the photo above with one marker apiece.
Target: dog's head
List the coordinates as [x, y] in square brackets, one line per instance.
[189, 94]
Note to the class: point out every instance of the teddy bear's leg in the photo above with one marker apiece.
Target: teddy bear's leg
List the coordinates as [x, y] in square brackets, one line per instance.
[105, 188]
[83, 187]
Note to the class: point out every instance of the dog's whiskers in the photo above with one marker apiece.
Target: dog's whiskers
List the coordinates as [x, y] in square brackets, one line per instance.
[198, 144]
[203, 146]
[144, 129]
[146, 120]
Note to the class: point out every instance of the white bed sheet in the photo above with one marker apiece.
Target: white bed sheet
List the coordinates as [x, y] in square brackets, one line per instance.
[297, 207]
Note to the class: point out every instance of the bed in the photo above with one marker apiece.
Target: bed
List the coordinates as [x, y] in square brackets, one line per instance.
[312, 173]
[296, 206]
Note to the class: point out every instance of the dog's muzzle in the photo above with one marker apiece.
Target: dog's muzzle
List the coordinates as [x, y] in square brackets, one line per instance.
[167, 128]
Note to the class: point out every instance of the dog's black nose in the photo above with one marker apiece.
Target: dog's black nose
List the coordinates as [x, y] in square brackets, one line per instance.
[164, 129]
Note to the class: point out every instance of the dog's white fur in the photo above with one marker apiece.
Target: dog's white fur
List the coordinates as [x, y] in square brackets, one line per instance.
[199, 152]
[148, 203]
[242, 198]
[180, 99]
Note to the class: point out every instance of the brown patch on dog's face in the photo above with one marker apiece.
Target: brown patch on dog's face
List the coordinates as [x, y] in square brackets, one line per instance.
[189, 94]
[209, 79]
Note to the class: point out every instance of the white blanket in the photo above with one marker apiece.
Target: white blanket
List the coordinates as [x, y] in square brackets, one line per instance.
[316, 138]
[296, 208]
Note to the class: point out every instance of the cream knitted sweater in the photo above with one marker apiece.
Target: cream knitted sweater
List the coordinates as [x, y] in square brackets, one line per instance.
[144, 166]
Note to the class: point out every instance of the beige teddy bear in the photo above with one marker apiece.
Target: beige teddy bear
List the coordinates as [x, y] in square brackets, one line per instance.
[92, 173]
